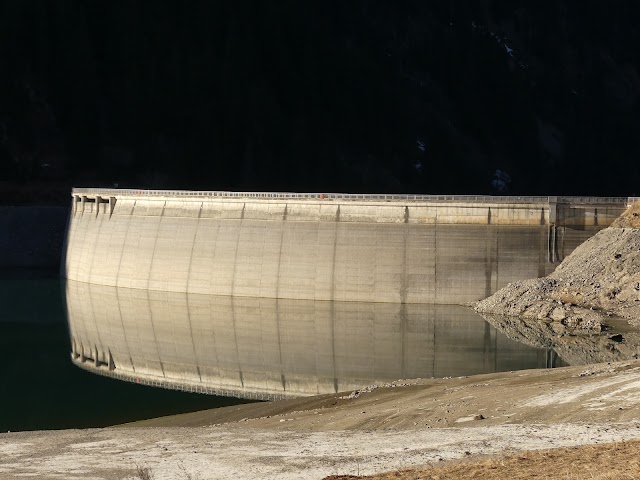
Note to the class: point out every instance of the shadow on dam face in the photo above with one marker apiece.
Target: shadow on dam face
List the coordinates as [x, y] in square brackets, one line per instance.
[269, 348]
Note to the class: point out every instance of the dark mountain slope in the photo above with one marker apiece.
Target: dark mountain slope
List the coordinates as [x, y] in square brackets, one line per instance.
[322, 96]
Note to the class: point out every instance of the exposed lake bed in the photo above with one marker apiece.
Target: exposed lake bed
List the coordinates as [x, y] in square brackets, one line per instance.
[412, 424]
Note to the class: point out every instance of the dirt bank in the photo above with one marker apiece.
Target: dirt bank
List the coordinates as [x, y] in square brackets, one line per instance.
[613, 461]
[599, 279]
[376, 429]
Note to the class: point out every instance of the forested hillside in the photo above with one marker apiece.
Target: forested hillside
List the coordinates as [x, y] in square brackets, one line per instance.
[521, 97]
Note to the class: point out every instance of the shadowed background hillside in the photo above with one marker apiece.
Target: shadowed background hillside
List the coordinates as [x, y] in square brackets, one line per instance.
[515, 97]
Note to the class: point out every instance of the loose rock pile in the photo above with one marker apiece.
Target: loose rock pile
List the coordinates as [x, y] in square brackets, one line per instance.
[599, 279]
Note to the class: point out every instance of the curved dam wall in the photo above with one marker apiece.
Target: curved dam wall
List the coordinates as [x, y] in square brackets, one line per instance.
[276, 348]
[399, 249]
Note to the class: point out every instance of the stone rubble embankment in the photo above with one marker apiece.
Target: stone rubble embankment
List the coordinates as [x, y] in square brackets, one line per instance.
[599, 279]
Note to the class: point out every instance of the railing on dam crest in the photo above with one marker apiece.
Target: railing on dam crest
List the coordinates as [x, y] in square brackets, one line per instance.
[106, 192]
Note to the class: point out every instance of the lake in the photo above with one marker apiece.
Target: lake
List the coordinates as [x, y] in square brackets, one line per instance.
[232, 346]
[39, 386]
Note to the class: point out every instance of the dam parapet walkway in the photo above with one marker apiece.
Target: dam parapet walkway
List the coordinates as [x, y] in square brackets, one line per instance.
[376, 208]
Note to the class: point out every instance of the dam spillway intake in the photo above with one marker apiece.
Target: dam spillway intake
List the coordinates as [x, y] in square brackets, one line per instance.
[334, 247]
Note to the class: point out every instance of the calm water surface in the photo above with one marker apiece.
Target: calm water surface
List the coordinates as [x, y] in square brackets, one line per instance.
[259, 348]
[39, 386]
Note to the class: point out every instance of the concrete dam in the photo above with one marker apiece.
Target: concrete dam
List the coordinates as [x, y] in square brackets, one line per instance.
[336, 247]
[277, 295]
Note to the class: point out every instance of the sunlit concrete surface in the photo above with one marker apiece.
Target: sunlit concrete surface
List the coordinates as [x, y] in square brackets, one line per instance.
[384, 248]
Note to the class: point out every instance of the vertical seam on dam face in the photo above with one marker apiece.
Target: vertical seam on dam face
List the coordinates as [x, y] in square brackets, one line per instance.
[100, 219]
[215, 246]
[279, 263]
[193, 245]
[405, 235]
[541, 256]
[124, 242]
[488, 262]
[332, 293]
[435, 258]
[550, 234]
[235, 256]
[155, 243]
[497, 262]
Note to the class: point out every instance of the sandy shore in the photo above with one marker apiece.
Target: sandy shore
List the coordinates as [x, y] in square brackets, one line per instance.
[378, 429]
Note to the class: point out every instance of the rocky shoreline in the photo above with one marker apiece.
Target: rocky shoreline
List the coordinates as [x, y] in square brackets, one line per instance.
[600, 279]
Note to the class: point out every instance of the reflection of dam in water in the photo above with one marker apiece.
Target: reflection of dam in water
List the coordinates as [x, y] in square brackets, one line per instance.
[268, 348]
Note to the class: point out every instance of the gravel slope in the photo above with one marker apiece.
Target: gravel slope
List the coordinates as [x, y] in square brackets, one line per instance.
[377, 429]
[599, 279]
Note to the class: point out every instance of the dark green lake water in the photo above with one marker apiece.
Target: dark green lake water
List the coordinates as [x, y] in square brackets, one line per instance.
[350, 344]
[39, 386]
